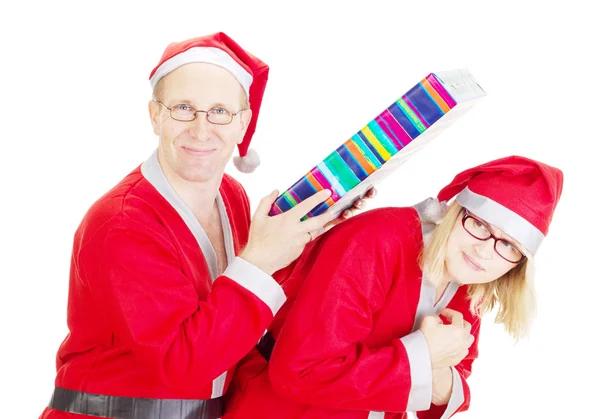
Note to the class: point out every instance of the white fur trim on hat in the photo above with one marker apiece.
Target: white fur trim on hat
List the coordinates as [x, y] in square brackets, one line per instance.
[210, 55]
[431, 210]
[506, 220]
[248, 163]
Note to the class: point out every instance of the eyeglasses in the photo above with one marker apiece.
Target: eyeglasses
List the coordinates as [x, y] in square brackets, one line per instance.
[186, 113]
[479, 230]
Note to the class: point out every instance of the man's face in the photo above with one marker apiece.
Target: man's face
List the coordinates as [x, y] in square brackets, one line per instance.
[198, 151]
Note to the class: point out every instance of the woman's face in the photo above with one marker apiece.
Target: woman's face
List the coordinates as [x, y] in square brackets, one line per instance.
[471, 259]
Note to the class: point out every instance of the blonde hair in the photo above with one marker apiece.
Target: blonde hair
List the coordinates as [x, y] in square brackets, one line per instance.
[513, 293]
[158, 90]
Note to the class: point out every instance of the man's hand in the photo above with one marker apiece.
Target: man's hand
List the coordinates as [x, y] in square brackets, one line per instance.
[448, 344]
[276, 241]
[358, 205]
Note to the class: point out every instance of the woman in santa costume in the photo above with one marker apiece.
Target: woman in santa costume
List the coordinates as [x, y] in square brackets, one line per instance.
[383, 312]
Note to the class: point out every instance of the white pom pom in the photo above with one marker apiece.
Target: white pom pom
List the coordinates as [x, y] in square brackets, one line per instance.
[431, 210]
[248, 163]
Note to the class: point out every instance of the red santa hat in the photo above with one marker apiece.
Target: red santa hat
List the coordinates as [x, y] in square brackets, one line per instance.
[219, 49]
[516, 194]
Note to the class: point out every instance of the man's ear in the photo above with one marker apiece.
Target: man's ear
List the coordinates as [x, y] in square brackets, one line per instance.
[154, 111]
[245, 118]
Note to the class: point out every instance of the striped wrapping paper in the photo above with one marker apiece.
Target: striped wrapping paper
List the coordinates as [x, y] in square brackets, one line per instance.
[386, 142]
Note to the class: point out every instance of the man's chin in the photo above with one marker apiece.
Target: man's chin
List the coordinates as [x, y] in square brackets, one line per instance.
[201, 174]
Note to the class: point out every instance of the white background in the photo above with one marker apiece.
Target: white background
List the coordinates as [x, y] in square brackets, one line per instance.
[73, 97]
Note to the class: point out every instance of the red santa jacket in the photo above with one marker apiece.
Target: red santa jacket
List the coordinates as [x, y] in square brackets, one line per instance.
[347, 339]
[148, 314]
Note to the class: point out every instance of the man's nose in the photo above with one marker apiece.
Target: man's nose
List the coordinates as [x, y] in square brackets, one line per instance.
[200, 127]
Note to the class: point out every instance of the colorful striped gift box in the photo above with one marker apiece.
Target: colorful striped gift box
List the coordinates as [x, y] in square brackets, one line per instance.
[386, 142]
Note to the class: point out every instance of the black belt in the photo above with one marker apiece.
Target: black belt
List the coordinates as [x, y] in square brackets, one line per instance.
[115, 407]
[265, 345]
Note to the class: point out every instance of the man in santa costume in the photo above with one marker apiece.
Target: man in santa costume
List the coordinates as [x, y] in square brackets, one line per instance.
[383, 312]
[169, 286]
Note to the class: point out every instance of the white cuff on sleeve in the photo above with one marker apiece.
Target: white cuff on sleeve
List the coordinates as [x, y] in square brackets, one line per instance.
[257, 282]
[421, 389]
[457, 396]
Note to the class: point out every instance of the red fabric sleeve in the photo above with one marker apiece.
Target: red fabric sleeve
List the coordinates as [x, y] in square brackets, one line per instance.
[156, 310]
